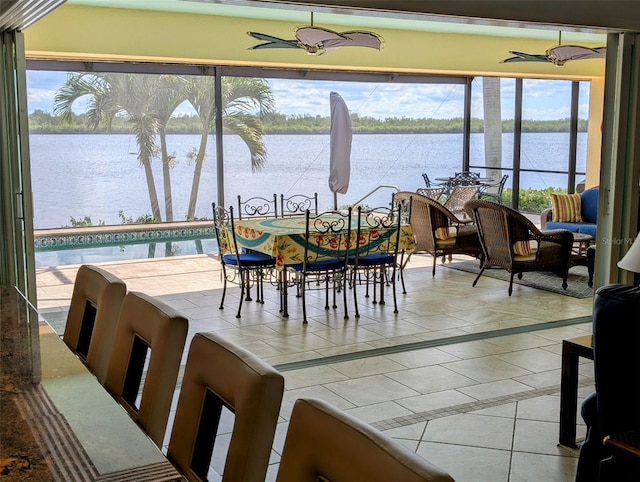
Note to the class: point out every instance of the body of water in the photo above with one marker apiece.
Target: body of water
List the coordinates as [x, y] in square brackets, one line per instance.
[98, 175]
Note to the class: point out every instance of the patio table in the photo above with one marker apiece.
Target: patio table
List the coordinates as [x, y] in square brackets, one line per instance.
[481, 180]
[283, 238]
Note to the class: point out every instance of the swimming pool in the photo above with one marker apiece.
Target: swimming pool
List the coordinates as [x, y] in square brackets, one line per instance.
[123, 242]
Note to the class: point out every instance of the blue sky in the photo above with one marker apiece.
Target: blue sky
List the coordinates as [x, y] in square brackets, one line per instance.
[542, 99]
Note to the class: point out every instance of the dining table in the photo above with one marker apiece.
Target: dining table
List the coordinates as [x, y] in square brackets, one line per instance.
[284, 239]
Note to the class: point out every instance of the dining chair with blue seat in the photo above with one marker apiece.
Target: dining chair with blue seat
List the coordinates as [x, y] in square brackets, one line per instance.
[327, 240]
[245, 268]
[298, 204]
[257, 206]
[378, 239]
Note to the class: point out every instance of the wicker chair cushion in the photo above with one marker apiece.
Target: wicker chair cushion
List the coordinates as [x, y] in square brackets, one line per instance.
[446, 232]
[566, 208]
[525, 248]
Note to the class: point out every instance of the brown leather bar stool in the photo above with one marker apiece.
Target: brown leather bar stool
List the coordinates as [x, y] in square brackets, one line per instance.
[150, 335]
[324, 443]
[221, 374]
[93, 317]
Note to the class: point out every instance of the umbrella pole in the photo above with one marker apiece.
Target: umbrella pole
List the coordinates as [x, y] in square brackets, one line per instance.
[335, 201]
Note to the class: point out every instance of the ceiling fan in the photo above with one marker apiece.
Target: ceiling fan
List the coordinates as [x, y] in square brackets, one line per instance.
[318, 40]
[560, 54]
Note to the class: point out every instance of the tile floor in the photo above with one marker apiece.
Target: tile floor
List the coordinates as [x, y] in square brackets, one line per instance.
[466, 377]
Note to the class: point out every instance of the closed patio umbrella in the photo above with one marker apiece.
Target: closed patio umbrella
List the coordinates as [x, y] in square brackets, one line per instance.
[340, 156]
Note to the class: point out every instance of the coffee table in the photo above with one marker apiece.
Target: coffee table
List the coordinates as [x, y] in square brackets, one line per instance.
[582, 254]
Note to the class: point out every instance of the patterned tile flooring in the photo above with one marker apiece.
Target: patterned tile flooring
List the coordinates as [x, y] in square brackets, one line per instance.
[466, 377]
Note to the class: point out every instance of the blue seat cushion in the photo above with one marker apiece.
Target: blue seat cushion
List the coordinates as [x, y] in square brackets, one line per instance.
[582, 228]
[373, 259]
[252, 258]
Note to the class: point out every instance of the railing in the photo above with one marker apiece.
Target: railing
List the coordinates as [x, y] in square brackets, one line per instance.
[376, 189]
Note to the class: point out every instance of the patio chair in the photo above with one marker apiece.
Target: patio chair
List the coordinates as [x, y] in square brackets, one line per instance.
[93, 317]
[378, 238]
[257, 206]
[512, 242]
[327, 240]
[493, 190]
[324, 443]
[466, 178]
[245, 268]
[458, 197]
[221, 376]
[146, 353]
[297, 204]
[427, 181]
[431, 192]
[437, 230]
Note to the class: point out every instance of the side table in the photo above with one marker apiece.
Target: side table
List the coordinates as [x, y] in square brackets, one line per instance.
[572, 349]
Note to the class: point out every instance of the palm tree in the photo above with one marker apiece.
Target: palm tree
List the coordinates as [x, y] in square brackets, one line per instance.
[241, 98]
[110, 95]
[168, 96]
[148, 101]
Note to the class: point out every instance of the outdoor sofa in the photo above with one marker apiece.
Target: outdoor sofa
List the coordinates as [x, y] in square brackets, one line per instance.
[588, 208]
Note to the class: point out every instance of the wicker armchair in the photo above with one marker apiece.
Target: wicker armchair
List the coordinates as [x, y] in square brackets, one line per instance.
[458, 196]
[431, 192]
[512, 242]
[437, 230]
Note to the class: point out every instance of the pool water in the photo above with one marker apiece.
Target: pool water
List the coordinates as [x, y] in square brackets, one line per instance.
[125, 252]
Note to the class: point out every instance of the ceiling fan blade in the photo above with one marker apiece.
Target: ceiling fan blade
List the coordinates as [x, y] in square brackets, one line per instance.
[524, 57]
[272, 42]
[365, 39]
[563, 53]
[315, 35]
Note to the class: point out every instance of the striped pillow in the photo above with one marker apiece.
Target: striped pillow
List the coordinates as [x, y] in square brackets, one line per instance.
[522, 248]
[566, 208]
[446, 232]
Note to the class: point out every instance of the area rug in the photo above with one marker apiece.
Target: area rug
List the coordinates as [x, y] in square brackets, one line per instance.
[577, 280]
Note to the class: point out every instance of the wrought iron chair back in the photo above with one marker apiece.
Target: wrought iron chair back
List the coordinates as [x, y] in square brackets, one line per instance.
[298, 204]
[493, 191]
[257, 206]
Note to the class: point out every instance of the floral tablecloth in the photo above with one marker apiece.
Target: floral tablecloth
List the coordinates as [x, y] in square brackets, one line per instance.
[283, 238]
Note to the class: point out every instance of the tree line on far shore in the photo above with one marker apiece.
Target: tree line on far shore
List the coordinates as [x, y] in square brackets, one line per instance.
[41, 122]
